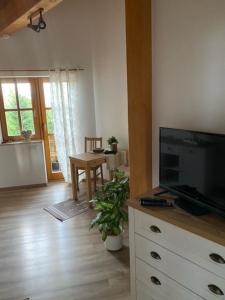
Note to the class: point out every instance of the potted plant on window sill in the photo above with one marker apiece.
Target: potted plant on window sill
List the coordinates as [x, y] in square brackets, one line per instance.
[111, 217]
[113, 142]
[27, 134]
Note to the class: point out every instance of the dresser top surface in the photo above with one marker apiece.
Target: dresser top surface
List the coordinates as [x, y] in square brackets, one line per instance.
[210, 226]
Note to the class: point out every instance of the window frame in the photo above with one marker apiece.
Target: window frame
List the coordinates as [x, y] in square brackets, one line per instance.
[34, 109]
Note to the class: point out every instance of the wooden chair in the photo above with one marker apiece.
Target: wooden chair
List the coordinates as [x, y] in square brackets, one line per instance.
[91, 143]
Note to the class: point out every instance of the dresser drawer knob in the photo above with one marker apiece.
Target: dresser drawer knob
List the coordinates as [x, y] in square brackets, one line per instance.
[217, 258]
[155, 229]
[155, 280]
[215, 290]
[155, 255]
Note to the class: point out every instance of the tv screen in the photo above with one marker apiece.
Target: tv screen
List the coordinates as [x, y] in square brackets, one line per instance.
[192, 165]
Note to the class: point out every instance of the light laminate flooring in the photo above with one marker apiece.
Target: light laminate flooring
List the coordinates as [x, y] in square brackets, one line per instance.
[44, 259]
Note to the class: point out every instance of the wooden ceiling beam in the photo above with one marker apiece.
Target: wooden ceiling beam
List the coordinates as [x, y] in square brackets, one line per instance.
[14, 14]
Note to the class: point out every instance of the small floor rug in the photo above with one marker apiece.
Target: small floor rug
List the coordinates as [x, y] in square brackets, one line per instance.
[67, 209]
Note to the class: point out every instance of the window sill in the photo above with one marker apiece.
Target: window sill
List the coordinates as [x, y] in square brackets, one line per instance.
[21, 142]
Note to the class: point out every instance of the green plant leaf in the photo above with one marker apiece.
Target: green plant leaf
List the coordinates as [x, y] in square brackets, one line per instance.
[112, 140]
[124, 215]
[109, 202]
[104, 236]
[116, 230]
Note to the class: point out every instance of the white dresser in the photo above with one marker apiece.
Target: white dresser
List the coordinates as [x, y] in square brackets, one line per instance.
[175, 256]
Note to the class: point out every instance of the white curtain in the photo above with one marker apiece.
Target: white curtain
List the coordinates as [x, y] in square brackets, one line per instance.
[67, 106]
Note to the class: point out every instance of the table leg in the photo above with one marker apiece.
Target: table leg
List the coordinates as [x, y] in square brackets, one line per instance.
[111, 174]
[88, 182]
[73, 180]
[77, 178]
[95, 179]
[102, 178]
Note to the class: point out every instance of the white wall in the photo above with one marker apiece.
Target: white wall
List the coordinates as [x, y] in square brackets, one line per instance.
[188, 67]
[109, 69]
[89, 34]
[65, 43]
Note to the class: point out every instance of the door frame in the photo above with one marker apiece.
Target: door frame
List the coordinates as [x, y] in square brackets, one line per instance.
[44, 130]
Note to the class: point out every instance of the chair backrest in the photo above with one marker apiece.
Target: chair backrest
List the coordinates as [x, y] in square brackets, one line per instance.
[92, 143]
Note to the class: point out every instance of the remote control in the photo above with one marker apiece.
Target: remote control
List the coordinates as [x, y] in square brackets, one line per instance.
[153, 201]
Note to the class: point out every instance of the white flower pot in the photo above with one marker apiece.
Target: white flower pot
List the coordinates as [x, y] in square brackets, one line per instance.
[114, 243]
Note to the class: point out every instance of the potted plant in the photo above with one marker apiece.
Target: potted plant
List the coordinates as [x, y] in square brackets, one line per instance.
[112, 141]
[27, 134]
[109, 202]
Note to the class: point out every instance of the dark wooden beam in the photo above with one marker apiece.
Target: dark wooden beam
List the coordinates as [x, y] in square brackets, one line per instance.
[138, 32]
[14, 14]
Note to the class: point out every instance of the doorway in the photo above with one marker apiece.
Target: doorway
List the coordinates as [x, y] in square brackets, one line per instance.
[47, 128]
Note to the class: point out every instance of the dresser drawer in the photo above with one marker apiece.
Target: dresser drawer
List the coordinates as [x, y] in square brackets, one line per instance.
[143, 292]
[203, 252]
[190, 275]
[153, 285]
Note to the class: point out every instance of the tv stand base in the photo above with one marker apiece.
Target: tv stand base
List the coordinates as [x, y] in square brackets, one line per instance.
[161, 193]
[188, 206]
[191, 207]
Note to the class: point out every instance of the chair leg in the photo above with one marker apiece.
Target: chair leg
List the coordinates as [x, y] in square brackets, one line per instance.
[102, 179]
[77, 178]
[95, 179]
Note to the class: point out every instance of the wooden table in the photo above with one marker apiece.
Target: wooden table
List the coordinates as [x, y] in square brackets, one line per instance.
[86, 161]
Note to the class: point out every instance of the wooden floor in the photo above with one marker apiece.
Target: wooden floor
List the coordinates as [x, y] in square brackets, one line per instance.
[42, 258]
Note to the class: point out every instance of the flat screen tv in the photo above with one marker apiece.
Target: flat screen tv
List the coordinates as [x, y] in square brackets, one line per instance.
[192, 166]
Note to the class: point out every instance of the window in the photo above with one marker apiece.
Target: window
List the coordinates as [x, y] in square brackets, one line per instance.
[18, 108]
